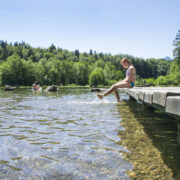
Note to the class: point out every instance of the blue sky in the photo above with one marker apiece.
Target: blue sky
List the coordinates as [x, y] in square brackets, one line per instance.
[142, 28]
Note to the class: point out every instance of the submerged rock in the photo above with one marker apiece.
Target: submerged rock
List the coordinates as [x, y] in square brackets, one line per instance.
[9, 88]
[52, 88]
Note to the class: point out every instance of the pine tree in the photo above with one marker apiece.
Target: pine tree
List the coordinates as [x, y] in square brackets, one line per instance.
[176, 51]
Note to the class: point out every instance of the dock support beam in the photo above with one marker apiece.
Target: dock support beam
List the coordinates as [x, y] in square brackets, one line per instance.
[178, 137]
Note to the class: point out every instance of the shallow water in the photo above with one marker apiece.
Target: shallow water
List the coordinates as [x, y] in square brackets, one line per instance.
[73, 135]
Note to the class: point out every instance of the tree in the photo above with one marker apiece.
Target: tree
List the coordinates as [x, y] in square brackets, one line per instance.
[175, 73]
[29, 74]
[48, 55]
[3, 50]
[22, 64]
[153, 68]
[163, 67]
[69, 73]
[55, 72]
[100, 64]
[97, 77]
[12, 71]
[77, 53]
[176, 51]
[41, 71]
[81, 73]
[90, 52]
[51, 48]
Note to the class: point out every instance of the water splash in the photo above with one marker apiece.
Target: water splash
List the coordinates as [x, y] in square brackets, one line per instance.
[96, 101]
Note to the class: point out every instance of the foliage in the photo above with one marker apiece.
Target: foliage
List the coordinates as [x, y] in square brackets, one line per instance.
[150, 82]
[97, 77]
[81, 73]
[176, 51]
[22, 64]
[16, 71]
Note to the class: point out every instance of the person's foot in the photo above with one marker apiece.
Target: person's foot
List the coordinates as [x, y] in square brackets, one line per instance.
[100, 96]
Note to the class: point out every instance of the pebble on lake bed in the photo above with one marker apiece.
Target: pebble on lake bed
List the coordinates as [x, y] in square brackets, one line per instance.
[145, 157]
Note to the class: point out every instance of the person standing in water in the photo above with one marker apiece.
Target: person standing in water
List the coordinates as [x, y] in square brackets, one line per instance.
[128, 82]
[35, 87]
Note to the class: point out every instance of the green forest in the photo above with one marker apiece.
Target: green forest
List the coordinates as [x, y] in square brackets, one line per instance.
[22, 65]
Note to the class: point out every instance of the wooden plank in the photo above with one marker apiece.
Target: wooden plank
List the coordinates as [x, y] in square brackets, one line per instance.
[166, 97]
[173, 105]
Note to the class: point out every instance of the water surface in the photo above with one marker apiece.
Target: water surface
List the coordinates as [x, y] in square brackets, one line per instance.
[69, 134]
[73, 135]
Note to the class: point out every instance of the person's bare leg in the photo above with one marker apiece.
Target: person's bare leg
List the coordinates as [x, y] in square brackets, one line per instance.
[100, 96]
[116, 95]
[114, 87]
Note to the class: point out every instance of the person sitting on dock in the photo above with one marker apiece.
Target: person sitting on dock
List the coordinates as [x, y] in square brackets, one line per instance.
[128, 82]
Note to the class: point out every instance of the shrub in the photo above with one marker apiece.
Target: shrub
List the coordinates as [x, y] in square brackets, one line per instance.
[97, 77]
[150, 82]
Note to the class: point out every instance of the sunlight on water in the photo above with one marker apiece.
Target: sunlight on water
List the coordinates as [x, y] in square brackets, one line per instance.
[99, 102]
[60, 135]
[74, 135]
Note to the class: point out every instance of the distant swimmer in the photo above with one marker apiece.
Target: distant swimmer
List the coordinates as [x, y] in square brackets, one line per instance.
[128, 82]
[36, 87]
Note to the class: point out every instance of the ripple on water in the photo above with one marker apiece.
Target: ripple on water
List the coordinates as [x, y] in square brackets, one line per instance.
[72, 135]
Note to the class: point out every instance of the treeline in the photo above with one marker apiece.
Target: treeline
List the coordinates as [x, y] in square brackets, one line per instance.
[173, 76]
[171, 79]
[21, 64]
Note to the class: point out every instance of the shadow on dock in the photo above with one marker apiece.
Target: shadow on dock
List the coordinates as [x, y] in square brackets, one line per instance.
[152, 139]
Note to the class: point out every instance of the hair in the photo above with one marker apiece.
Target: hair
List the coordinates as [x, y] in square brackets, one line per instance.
[36, 83]
[125, 60]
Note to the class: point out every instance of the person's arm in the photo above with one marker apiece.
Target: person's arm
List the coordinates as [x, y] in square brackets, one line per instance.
[128, 78]
[124, 80]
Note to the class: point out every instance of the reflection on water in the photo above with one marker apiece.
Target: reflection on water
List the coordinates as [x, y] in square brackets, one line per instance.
[73, 135]
[152, 139]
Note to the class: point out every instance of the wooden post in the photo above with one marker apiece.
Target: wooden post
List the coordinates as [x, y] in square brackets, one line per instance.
[178, 135]
[147, 107]
[132, 98]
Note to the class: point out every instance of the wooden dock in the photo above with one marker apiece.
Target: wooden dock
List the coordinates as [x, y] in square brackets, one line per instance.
[166, 98]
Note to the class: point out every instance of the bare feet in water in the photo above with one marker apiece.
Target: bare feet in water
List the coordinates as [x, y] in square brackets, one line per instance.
[100, 96]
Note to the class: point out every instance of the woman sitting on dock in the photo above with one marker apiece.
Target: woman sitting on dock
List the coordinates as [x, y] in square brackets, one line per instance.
[128, 82]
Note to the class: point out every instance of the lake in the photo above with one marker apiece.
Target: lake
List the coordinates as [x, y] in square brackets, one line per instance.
[71, 134]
